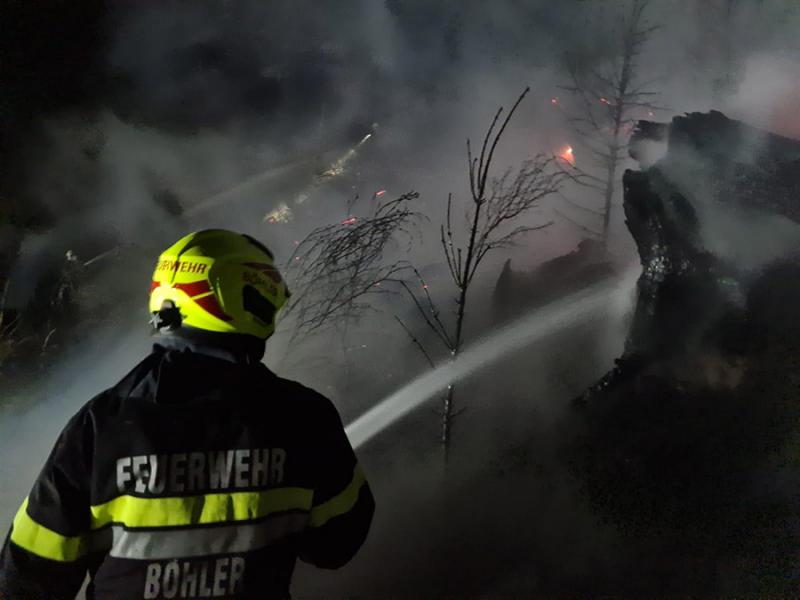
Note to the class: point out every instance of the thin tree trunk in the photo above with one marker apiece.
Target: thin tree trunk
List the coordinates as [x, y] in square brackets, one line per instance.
[447, 409]
[609, 196]
[614, 147]
[447, 412]
[447, 417]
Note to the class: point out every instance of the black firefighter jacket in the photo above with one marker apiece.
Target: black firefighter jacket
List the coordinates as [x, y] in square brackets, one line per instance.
[194, 477]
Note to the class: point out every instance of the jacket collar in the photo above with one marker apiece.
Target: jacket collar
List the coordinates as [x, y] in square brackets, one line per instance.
[235, 348]
[192, 365]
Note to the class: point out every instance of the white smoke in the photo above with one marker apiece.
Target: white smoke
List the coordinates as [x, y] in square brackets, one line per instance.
[430, 75]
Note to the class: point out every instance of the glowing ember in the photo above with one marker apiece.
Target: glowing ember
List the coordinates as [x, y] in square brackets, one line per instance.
[282, 214]
[380, 193]
[604, 101]
[350, 221]
[424, 286]
[567, 154]
[554, 101]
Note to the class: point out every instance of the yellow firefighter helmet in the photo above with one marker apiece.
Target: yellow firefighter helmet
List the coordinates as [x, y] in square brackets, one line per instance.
[217, 280]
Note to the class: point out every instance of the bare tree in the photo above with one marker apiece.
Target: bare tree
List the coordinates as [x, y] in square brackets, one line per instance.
[608, 99]
[336, 269]
[496, 204]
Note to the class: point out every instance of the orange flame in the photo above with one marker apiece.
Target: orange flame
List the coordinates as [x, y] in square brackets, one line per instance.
[567, 154]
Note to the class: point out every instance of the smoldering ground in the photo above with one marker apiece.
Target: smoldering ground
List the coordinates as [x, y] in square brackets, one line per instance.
[194, 98]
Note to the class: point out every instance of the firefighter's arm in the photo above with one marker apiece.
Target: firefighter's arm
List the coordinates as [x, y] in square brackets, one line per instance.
[45, 555]
[343, 503]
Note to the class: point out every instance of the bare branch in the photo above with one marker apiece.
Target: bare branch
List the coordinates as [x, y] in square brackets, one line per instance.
[509, 239]
[336, 268]
[578, 225]
[432, 307]
[485, 167]
[579, 176]
[433, 324]
[508, 199]
[417, 343]
[447, 242]
[579, 206]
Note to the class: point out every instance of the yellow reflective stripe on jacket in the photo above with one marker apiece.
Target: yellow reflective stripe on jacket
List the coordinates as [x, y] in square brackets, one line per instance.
[132, 511]
[41, 541]
[339, 504]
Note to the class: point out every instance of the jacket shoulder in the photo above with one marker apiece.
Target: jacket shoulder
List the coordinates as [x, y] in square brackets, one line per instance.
[308, 398]
[110, 400]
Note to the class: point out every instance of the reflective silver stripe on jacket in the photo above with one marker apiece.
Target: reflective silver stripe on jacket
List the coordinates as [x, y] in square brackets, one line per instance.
[203, 541]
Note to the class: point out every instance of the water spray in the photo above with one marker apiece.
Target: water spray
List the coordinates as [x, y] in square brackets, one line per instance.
[536, 325]
[248, 186]
[99, 257]
[336, 169]
[339, 166]
[252, 184]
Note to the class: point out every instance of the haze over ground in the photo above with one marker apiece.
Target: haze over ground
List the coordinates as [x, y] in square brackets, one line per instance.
[109, 104]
